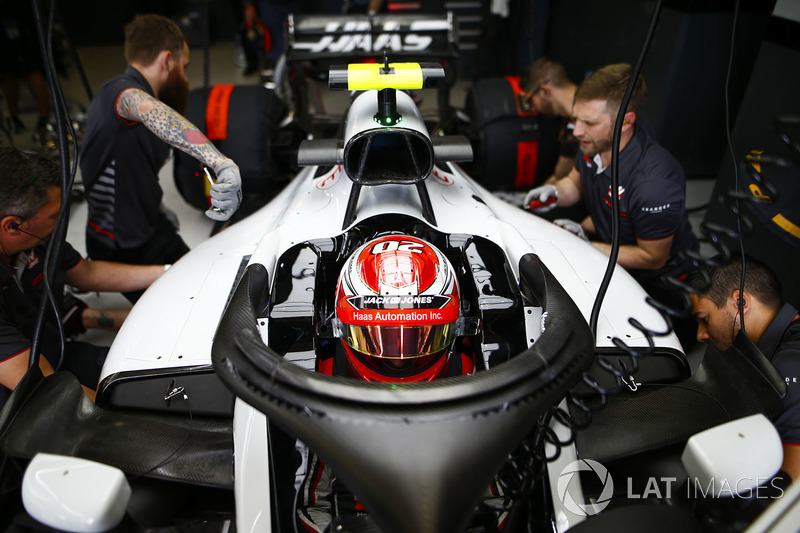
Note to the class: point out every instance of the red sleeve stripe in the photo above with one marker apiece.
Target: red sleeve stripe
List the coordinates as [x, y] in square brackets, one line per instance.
[116, 105]
[14, 355]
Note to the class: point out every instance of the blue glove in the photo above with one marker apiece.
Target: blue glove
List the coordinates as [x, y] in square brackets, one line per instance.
[226, 193]
[571, 226]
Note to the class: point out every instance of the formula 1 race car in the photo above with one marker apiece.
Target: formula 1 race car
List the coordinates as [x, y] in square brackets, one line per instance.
[212, 393]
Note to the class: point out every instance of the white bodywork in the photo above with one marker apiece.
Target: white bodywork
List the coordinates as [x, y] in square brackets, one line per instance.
[174, 323]
[74, 494]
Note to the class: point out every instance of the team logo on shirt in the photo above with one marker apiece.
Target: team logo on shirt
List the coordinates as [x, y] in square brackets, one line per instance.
[620, 191]
[33, 260]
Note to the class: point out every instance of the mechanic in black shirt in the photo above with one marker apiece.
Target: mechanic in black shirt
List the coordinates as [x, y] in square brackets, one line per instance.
[133, 121]
[772, 325]
[654, 226]
[30, 203]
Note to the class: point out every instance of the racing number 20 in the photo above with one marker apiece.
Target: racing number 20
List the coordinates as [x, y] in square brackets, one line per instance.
[392, 246]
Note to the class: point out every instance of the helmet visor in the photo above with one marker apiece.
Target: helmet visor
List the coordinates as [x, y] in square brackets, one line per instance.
[399, 342]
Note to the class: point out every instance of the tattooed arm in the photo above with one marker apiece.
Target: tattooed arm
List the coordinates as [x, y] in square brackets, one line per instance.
[172, 128]
[168, 125]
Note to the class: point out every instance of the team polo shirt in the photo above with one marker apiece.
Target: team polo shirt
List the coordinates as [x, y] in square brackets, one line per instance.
[652, 200]
[21, 290]
[780, 343]
[119, 162]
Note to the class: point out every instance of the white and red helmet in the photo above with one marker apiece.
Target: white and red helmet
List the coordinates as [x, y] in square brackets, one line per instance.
[397, 308]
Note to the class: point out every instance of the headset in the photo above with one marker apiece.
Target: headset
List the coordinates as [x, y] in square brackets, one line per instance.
[15, 225]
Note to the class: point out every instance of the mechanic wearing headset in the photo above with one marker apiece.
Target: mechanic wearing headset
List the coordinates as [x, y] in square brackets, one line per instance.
[30, 203]
[772, 325]
[133, 120]
[654, 226]
[397, 314]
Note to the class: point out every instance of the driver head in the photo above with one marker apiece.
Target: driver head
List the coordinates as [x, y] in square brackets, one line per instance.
[397, 307]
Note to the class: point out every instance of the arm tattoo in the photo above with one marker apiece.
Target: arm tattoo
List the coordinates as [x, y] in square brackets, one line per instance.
[168, 125]
[126, 106]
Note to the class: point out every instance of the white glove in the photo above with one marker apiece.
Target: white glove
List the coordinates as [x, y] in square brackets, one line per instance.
[545, 195]
[226, 193]
[572, 227]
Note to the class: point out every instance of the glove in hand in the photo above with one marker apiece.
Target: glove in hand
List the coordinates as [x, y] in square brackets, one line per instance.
[571, 226]
[226, 193]
[542, 194]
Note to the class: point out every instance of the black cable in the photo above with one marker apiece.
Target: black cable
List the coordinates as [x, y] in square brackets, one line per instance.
[57, 239]
[65, 133]
[612, 259]
[740, 302]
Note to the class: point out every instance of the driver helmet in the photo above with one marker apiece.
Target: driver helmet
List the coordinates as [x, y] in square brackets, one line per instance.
[397, 310]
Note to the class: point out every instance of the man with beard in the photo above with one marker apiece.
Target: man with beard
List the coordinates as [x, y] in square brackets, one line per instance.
[133, 121]
[654, 226]
[772, 325]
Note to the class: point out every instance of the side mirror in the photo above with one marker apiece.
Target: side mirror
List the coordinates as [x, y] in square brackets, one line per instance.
[456, 148]
[74, 494]
[734, 458]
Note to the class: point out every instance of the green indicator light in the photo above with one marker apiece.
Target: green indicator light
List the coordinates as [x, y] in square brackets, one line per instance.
[387, 120]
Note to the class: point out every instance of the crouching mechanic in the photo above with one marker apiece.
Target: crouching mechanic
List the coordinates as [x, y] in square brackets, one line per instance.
[774, 326]
[30, 203]
[133, 121]
[397, 315]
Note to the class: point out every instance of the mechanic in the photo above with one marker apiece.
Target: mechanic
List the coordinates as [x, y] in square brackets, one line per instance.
[550, 92]
[30, 203]
[654, 226]
[386, 277]
[774, 326]
[132, 122]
